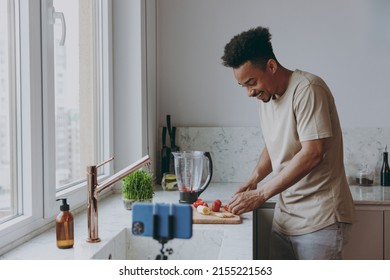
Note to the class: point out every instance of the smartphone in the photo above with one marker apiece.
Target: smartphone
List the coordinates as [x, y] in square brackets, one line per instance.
[162, 220]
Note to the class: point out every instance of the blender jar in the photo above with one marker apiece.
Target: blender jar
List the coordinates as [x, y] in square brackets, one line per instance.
[189, 168]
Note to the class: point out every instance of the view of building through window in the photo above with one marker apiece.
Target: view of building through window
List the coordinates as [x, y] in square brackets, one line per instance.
[6, 128]
[67, 114]
[73, 91]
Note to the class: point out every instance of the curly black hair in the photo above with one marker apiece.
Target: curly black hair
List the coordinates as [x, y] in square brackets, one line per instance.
[253, 45]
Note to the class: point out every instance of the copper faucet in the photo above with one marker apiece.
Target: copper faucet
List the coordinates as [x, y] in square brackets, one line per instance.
[94, 189]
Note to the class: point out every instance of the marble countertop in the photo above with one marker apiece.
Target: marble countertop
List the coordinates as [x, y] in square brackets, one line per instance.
[375, 195]
[371, 195]
[210, 241]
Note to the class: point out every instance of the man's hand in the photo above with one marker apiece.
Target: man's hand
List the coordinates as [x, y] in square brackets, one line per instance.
[247, 198]
[246, 201]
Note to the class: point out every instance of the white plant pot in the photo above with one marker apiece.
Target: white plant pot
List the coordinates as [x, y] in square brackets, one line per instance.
[128, 203]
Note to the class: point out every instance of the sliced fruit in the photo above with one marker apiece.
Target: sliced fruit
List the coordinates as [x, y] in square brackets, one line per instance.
[216, 205]
[204, 210]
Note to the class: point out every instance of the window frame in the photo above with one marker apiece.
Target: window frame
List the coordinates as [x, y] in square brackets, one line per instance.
[36, 196]
[77, 193]
[28, 101]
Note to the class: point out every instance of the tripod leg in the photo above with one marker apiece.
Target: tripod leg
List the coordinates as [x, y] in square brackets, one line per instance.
[162, 256]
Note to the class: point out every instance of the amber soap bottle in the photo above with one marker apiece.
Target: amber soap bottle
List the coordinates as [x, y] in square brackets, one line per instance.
[64, 226]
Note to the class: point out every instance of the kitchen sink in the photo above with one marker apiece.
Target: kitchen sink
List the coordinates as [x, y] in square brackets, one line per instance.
[205, 244]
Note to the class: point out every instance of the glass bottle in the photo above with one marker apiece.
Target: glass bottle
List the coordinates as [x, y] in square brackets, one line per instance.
[385, 171]
[64, 227]
[365, 177]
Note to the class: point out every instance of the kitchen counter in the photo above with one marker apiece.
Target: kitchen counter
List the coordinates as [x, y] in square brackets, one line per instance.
[371, 195]
[209, 241]
[362, 195]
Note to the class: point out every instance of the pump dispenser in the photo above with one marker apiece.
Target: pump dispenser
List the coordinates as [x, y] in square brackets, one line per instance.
[64, 226]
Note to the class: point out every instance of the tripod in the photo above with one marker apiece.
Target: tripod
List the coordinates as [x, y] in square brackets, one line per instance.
[162, 256]
[163, 240]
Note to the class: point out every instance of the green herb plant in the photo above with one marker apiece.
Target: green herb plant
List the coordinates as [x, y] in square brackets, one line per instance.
[138, 186]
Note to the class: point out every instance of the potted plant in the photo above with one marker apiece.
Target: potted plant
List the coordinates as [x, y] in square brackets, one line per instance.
[137, 187]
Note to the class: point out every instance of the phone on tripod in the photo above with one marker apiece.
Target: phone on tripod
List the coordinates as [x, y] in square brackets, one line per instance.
[162, 221]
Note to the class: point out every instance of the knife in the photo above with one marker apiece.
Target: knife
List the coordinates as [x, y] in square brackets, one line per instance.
[165, 153]
[173, 139]
[174, 148]
[169, 129]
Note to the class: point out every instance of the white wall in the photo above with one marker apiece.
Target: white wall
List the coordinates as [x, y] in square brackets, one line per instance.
[346, 42]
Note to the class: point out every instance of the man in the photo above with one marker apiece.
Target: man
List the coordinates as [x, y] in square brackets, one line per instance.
[303, 149]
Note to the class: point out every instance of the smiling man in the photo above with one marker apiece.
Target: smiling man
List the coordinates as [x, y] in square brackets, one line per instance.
[303, 150]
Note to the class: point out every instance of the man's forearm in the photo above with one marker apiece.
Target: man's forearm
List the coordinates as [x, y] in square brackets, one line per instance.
[300, 165]
[262, 169]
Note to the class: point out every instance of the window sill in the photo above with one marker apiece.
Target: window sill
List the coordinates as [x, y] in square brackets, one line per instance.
[40, 228]
[43, 244]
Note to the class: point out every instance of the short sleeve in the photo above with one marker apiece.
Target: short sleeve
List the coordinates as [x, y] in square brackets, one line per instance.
[312, 113]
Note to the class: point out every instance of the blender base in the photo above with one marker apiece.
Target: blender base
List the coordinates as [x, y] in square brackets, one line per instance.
[188, 197]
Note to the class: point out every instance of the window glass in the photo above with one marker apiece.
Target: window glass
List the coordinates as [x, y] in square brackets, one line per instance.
[8, 187]
[74, 92]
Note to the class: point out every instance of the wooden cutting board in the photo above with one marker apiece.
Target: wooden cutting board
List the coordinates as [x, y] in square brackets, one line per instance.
[198, 218]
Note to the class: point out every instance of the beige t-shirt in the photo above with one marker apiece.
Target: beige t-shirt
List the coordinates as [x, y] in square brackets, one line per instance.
[306, 111]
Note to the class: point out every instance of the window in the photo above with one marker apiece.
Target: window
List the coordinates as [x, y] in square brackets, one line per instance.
[8, 193]
[70, 75]
[74, 112]
[54, 107]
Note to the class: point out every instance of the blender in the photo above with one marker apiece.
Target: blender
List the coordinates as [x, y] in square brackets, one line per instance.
[189, 168]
